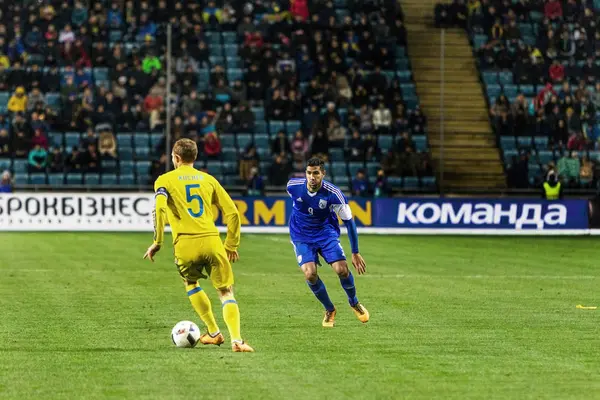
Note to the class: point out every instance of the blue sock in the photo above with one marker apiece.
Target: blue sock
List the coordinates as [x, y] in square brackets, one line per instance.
[348, 285]
[321, 293]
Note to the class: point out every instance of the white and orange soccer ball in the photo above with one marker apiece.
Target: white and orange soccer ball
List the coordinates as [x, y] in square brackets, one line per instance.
[185, 334]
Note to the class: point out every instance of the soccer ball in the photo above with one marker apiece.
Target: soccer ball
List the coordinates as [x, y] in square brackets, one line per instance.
[185, 334]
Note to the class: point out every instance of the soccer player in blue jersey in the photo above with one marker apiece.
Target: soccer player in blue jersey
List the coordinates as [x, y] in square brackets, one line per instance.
[314, 230]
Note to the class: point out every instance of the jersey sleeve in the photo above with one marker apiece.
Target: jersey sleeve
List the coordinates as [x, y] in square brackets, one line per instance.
[159, 215]
[231, 217]
[339, 204]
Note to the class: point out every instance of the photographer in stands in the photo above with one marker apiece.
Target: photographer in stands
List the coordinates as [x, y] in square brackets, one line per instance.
[552, 188]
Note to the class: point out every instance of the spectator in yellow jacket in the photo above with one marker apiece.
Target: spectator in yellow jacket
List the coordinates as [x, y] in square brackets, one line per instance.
[18, 101]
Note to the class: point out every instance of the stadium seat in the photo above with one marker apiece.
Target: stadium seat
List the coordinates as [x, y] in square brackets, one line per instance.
[74, 178]
[230, 154]
[293, 126]
[524, 142]
[21, 179]
[341, 180]
[385, 142]
[263, 153]
[229, 37]
[227, 140]
[55, 139]
[243, 140]
[230, 168]
[109, 180]
[354, 167]
[261, 127]
[214, 168]
[507, 142]
[19, 166]
[336, 154]
[72, 139]
[420, 142]
[505, 77]
[234, 74]
[261, 141]
[510, 90]
[5, 164]
[56, 179]
[231, 50]
[410, 182]
[259, 113]
[141, 139]
[545, 156]
[276, 126]
[372, 168]
[233, 62]
[395, 182]
[126, 167]
[142, 153]
[4, 97]
[127, 179]
[540, 142]
[228, 180]
[142, 168]
[124, 140]
[339, 168]
[428, 182]
[37, 179]
[489, 77]
[53, 100]
[156, 139]
[91, 179]
[125, 153]
[101, 74]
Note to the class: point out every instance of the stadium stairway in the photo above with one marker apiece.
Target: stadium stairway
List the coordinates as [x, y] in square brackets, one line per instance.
[471, 160]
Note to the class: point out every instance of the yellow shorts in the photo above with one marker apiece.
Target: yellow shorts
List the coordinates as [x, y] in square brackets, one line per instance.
[196, 257]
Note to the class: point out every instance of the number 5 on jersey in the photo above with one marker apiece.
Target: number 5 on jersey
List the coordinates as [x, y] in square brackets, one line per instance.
[191, 198]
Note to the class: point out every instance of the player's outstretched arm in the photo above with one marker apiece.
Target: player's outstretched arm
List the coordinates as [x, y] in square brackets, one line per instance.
[357, 261]
[160, 219]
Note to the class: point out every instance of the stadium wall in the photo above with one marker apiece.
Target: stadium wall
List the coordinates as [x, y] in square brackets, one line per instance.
[132, 212]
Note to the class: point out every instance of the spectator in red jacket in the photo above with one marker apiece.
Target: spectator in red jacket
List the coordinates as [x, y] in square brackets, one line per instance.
[212, 146]
[299, 8]
[152, 102]
[545, 95]
[557, 72]
[553, 10]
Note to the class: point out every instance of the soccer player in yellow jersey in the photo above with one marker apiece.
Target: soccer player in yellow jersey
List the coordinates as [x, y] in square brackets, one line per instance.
[184, 198]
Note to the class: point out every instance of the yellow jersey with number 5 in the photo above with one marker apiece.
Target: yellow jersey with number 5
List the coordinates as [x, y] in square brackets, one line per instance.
[184, 199]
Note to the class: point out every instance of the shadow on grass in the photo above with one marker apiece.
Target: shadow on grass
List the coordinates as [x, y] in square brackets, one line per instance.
[102, 350]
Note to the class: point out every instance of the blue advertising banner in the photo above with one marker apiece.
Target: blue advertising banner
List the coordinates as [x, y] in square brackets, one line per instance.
[507, 214]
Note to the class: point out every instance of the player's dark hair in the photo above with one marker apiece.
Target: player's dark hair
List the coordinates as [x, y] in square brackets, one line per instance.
[316, 162]
[186, 149]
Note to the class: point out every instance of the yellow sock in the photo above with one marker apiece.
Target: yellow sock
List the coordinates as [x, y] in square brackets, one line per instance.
[201, 304]
[231, 315]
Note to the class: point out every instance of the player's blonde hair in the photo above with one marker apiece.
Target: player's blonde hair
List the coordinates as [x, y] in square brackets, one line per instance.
[186, 149]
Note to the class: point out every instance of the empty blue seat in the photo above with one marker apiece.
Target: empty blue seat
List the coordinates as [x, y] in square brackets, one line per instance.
[505, 77]
[101, 74]
[124, 140]
[385, 142]
[234, 74]
[336, 154]
[4, 164]
[261, 127]
[21, 179]
[229, 154]
[4, 97]
[127, 179]
[126, 167]
[354, 167]
[125, 153]
[19, 166]
[395, 181]
[493, 91]
[372, 168]
[233, 62]
[142, 168]
[216, 60]
[489, 77]
[408, 89]
[156, 139]
[212, 38]
[339, 168]
[53, 100]
[230, 167]
[227, 140]
[231, 50]
[56, 179]
[276, 126]
[404, 76]
[243, 140]
[545, 156]
[229, 37]
[341, 180]
[428, 182]
[524, 142]
[74, 178]
[293, 126]
[37, 179]
[420, 142]
[91, 179]
[109, 179]
[528, 90]
[400, 51]
[214, 168]
[141, 139]
[216, 50]
[507, 142]
[259, 113]
[115, 36]
[509, 154]
[143, 153]
[55, 139]
[511, 90]
[540, 142]
[261, 140]
[411, 182]
[72, 139]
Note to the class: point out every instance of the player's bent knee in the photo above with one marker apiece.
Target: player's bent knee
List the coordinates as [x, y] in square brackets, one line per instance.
[310, 272]
[341, 268]
[226, 291]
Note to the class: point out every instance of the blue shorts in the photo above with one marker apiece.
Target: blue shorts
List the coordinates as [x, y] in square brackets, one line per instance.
[330, 249]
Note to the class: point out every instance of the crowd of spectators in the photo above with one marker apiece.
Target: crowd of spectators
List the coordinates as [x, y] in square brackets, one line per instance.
[302, 61]
[547, 55]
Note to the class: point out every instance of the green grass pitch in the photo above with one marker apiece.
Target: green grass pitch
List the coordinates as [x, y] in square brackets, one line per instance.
[451, 317]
